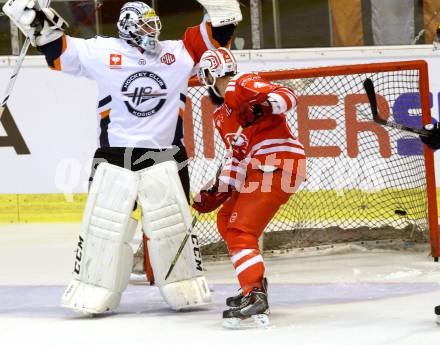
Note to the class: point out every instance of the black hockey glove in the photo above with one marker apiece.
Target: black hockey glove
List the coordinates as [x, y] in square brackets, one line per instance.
[433, 141]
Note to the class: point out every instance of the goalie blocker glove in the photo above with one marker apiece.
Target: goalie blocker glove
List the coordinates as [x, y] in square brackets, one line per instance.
[433, 141]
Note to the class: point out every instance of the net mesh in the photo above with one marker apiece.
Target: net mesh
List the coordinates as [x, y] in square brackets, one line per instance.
[365, 182]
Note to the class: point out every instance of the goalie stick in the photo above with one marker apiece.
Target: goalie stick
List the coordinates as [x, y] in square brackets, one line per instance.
[369, 89]
[194, 220]
[17, 68]
[14, 74]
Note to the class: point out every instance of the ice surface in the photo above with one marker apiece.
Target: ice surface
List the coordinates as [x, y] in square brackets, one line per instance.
[373, 298]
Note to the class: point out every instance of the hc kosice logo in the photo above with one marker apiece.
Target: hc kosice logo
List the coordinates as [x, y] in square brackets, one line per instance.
[144, 93]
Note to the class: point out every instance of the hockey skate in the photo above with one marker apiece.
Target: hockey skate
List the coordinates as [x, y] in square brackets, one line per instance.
[252, 312]
[437, 312]
[235, 301]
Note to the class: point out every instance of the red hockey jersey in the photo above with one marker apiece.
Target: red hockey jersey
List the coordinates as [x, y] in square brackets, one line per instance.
[269, 142]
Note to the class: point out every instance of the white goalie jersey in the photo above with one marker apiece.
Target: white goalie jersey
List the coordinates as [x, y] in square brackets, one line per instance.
[140, 96]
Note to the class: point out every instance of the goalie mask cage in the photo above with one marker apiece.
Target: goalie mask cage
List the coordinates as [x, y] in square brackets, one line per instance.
[366, 183]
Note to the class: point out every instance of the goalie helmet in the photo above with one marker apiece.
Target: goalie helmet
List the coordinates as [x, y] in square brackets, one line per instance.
[139, 24]
[216, 64]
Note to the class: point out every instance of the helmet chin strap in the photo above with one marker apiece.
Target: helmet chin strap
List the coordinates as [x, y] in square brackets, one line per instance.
[215, 90]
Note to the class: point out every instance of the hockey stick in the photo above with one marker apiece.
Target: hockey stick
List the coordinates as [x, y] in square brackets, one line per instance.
[14, 74]
[194, 220]
[369, 89]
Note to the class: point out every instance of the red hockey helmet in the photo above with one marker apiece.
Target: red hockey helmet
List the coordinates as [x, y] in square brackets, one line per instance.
[216, 64]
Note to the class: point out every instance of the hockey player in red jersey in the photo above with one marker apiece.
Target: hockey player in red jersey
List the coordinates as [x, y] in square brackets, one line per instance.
[264, 169]
[142, 84]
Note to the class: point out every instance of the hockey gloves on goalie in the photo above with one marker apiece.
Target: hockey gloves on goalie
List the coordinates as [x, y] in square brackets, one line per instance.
[433, 141]
[209, 200]
[41, 26]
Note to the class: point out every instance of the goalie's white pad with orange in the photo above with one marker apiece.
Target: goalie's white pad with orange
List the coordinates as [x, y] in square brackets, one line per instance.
[104, 256]
[222, 12]
[166, 218]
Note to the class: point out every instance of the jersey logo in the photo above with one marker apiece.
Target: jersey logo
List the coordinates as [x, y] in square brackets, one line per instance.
[144, 93]
[233, 217]
[168, 59]
[115, 60]
[259, 84]
[241, 144]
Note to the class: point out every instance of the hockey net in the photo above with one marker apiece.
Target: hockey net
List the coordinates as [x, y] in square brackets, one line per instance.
[366, 183]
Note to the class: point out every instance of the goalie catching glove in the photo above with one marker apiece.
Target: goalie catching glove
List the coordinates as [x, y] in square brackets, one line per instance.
[41, 26]
[222, 12]
[433, 142]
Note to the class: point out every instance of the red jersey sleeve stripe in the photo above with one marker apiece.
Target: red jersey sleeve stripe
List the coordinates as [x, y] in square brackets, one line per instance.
[287, 95]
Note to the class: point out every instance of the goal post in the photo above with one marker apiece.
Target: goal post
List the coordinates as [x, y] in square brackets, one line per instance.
[366, 183]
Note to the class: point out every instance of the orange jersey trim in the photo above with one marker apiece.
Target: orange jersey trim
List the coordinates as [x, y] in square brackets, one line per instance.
[105, 113]
[210, 36]
[57, 61]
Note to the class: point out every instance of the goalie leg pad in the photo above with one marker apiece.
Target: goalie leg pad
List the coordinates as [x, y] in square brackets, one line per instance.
[104, 256]
[166, 218]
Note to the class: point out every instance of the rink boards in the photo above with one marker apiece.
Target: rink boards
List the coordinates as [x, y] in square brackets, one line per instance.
[57, 208]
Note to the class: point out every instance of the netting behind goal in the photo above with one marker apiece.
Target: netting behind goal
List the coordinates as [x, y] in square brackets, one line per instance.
[365, 182]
